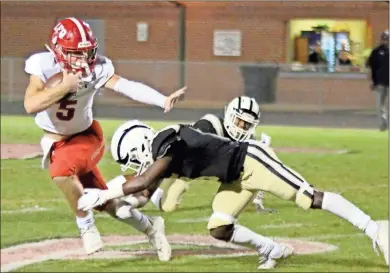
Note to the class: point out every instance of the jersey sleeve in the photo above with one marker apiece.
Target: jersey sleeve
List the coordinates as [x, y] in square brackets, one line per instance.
[104, 71]
[166, 142]
[33, 67]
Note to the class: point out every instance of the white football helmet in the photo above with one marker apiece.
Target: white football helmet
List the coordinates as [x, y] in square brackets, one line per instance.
[131, 146]
[241, 109]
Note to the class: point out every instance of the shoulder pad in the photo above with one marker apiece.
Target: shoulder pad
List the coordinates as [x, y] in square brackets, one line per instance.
[102, 60]
[176, 128]
[215, 122]
[104, 70]
[34, 65]
[163, 140]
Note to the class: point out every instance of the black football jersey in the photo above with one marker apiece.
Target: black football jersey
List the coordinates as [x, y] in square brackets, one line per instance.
[196, 154]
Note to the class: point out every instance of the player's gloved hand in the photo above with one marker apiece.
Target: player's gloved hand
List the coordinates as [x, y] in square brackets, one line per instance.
[92, 198]
[173, 98]
[265, 139]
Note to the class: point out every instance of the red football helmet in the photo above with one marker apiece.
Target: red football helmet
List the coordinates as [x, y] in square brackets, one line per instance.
[74, 45]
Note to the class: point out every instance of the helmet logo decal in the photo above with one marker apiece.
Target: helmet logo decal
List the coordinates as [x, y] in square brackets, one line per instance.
[126, 158]
[60, 31]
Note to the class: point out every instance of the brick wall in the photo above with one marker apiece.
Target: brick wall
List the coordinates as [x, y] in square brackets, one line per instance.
[325, 92]
[25, 27]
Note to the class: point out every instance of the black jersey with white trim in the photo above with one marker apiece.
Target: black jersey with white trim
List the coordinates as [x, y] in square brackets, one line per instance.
[196, 154]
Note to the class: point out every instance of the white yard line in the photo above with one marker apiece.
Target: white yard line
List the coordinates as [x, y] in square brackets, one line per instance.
[29, 201]
[192, 220]
[25, 210]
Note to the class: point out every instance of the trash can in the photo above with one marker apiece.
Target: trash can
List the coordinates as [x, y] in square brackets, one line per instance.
[260, 82]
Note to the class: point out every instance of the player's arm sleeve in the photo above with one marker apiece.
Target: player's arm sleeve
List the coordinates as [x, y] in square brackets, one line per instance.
[140, 92]
[131, 89]
[205, 126]
[32, 67]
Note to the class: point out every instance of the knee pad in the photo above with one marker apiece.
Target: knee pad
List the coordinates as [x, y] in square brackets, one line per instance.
[123, 210]
[218, 219]
[223, 233]
[304, 198]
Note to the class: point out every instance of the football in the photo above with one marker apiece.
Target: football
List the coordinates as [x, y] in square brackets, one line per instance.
[54, 80]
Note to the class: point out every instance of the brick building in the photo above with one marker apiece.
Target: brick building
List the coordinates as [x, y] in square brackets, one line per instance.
[264, 26]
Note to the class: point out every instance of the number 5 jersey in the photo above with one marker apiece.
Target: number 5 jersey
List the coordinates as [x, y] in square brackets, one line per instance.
[72, 114]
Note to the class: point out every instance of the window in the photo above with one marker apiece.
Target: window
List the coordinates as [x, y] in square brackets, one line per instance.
[333, 38]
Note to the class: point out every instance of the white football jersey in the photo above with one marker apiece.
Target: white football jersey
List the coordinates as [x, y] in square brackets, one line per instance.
[72, 115]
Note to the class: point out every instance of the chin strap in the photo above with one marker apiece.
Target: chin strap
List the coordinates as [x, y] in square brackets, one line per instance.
[48, 48]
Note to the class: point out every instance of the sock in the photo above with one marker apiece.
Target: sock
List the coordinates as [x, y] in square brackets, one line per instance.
[85, 222]
[338, 205]
[264, 245]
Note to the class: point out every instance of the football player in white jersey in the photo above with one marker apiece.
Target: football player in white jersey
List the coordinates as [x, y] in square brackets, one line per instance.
[73, 141]
[239, 123]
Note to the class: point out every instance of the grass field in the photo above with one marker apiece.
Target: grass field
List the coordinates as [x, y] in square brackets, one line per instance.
[361, 175]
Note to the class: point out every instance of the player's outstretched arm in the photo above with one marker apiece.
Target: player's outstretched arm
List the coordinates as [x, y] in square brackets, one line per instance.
[149, 178]
[95, 197]
[143, 93]
[38, 98]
